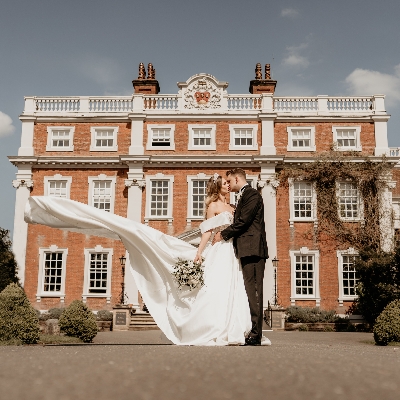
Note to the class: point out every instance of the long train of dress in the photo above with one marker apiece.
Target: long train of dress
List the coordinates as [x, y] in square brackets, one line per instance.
[216, 314]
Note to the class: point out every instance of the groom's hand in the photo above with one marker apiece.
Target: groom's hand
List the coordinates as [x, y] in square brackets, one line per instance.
[217, 238]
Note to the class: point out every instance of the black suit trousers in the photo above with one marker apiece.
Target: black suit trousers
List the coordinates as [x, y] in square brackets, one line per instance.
[253, 276]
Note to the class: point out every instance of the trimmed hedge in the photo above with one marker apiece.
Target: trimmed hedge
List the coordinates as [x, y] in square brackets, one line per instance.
[310, 315]
[18, 319]
[78, 321]
[387, 325]
[104, 315]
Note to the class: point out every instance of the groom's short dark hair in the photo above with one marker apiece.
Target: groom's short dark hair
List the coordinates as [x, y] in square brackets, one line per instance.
[237, 171]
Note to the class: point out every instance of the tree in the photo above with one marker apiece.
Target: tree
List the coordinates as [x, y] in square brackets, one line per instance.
[8, 265]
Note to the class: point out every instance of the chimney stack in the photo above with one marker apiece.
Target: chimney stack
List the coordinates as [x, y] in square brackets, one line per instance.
[260, 85]
[147, 85]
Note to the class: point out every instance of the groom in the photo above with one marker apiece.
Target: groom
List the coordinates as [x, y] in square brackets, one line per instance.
[249, 241]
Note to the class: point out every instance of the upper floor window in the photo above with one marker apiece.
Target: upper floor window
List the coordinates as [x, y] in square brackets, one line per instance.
[51, 278]
[202, 137]
[57, 186]
[305, 275]
[243, 137]
[350, 207]
[347, 137]
[160, 136]
[102, 192]
[60, 138]
[301, 138]
[97, 278]
[159, 195]
[104, 138]
[302, 201]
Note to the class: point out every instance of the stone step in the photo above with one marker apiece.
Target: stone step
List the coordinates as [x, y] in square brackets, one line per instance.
[142, 322]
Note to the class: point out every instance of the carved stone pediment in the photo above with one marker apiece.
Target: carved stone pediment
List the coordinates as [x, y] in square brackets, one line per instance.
[202, 92]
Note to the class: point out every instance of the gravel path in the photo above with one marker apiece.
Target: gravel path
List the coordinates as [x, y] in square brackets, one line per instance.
[142, 365]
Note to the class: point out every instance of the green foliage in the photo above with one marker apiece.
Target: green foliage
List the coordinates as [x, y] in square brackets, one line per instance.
[387, 325]
[379, 282]
[303, 328]
[78, 321]
[310, 315]
[18, 319]
[55, 313]
[325, 172]
[104, 315]
[8, 265]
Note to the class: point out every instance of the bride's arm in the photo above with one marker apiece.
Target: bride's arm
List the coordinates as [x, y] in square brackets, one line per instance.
[206, 235]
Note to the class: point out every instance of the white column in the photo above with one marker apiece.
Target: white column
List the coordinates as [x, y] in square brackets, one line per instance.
[386, 222]
[267, 118]
[381, 139]
[268, 183]
[135, 184]
[137, 117]
[23, 184]
[28, 124]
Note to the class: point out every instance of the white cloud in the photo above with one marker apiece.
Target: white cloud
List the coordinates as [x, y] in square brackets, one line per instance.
[289, 13]
[368, 82]
[6, 126]
[294, 58]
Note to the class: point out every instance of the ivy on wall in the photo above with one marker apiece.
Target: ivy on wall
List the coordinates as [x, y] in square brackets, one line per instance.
[370, 176]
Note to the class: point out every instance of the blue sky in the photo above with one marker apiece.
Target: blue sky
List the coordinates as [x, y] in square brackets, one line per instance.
[93, 47]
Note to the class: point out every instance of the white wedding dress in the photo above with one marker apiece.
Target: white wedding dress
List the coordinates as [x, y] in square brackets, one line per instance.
[215, 315]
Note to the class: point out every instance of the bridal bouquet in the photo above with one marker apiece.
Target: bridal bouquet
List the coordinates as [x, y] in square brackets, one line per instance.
[189, 273]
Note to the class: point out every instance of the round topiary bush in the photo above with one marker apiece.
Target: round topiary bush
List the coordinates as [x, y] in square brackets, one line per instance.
[387, 325]
[18, 319]
[78, 321]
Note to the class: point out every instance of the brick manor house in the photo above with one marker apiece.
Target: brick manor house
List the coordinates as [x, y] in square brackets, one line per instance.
[148, 157]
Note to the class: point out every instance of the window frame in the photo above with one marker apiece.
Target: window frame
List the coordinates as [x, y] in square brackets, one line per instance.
[233, 127]
[292, 217]
[57, 178]
[159, 177]
[340, 253]
[190, 179]
[49, 145]
[150, 127]
[93, 130]
[211, 146]
[357, 130]
[359, 202]
[304, 251]
[290, 132]
[86, 278]
[102, 177]
[41, 275]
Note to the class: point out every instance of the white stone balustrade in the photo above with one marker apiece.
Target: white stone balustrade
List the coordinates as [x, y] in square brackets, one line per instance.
[394, 151]
[230, 103]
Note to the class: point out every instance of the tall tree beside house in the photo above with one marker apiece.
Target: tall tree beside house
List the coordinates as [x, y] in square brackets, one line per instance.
[8, 265]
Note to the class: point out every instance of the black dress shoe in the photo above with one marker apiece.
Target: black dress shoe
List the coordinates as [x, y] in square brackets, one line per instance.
[251, 341]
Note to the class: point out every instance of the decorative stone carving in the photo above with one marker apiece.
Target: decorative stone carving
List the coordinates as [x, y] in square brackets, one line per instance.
[267, 71]
[22, 183]
[135, 182]
[258, 71]
[142, 71]
[202, 92]
[151, 72]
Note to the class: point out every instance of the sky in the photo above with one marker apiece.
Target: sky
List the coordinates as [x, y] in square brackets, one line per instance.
[93, 47]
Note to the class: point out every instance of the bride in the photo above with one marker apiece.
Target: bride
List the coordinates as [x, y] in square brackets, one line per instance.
[216, 314]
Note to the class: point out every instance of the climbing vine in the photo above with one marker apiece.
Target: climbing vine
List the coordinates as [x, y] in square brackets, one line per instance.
[370, 177]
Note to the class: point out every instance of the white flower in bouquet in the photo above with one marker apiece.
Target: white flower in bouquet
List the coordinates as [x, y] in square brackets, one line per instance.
[189, 274]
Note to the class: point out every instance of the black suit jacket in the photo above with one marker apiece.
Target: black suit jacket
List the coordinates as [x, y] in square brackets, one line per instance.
[248, 228]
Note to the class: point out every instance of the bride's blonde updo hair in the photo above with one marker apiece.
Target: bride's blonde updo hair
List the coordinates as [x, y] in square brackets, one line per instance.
[213, 189]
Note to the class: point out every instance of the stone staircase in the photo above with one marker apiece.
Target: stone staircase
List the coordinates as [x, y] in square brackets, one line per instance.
[142, 321]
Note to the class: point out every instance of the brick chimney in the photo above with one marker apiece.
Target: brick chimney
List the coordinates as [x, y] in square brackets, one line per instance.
[147, 85]
[260, 85]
